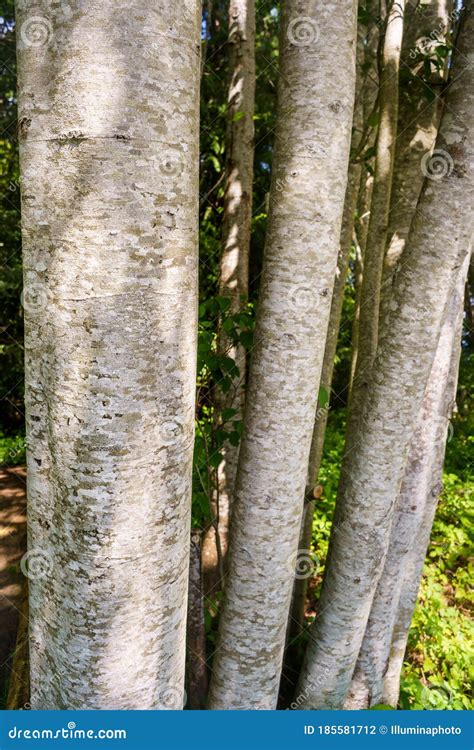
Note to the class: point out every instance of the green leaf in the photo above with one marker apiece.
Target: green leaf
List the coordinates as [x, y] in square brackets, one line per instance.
[228, 414]
[382, 707]
[374, 119]
[323, 397]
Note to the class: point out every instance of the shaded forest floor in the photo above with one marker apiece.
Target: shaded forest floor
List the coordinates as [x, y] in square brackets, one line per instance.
[12, 548]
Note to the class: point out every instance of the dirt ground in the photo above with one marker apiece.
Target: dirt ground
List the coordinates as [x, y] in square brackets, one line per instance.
[12, 548]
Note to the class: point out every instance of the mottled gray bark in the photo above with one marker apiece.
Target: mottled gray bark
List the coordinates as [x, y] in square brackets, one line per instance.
[312, 150]
[418, 122]
[108, 127]
[379, 209]
[370, 89]
[234, 264]
[414, 567]
[371, 475]
[418, 497]
[322, 411]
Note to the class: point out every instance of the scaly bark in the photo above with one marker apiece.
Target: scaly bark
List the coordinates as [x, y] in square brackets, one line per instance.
[414, 566]
[418, 122]
[370, 89]
[319, 429]
[418, 497]
[371, 475]
[379, 209]
[234, 274]
[312, 150]
[110, 297]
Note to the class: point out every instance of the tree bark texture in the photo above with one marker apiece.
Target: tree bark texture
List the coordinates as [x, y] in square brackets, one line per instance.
[319, 430]
[109, 110]
[368, 314]
[371, 475]
[369, 96]
[418, 498]
[311, 156]
[418, 122]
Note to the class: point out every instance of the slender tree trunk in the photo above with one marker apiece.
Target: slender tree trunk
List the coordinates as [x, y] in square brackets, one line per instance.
[418, 496]
[237, 219]
[358, 276]
[109, 111]
[370, 90]
[418, 122]
[368, 313]
[414, 566]
[312, 149]
[371, 476]
[319, 429]
[196, 634]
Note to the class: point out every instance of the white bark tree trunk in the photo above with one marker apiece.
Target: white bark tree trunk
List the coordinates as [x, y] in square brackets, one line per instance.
[312, 150]
[370, 89]
[108, 127]
[234, 266]
[297, 611]
[368, 311]
[418, 497]
[371, 475]
[418, 122]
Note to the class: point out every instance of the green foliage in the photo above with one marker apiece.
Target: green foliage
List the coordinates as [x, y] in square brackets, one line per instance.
[12, 449]
[217, 373]
[382, 707]
[11, 322]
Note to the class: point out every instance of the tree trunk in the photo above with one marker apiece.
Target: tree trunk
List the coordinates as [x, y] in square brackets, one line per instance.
[237, 219]
[319, 429]
[371, 476]
[109, 110]
[418, 122]
[196, 634]
[370, 90]
[418, 497]
[368, 313]
[311, 156]
[414, 567]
